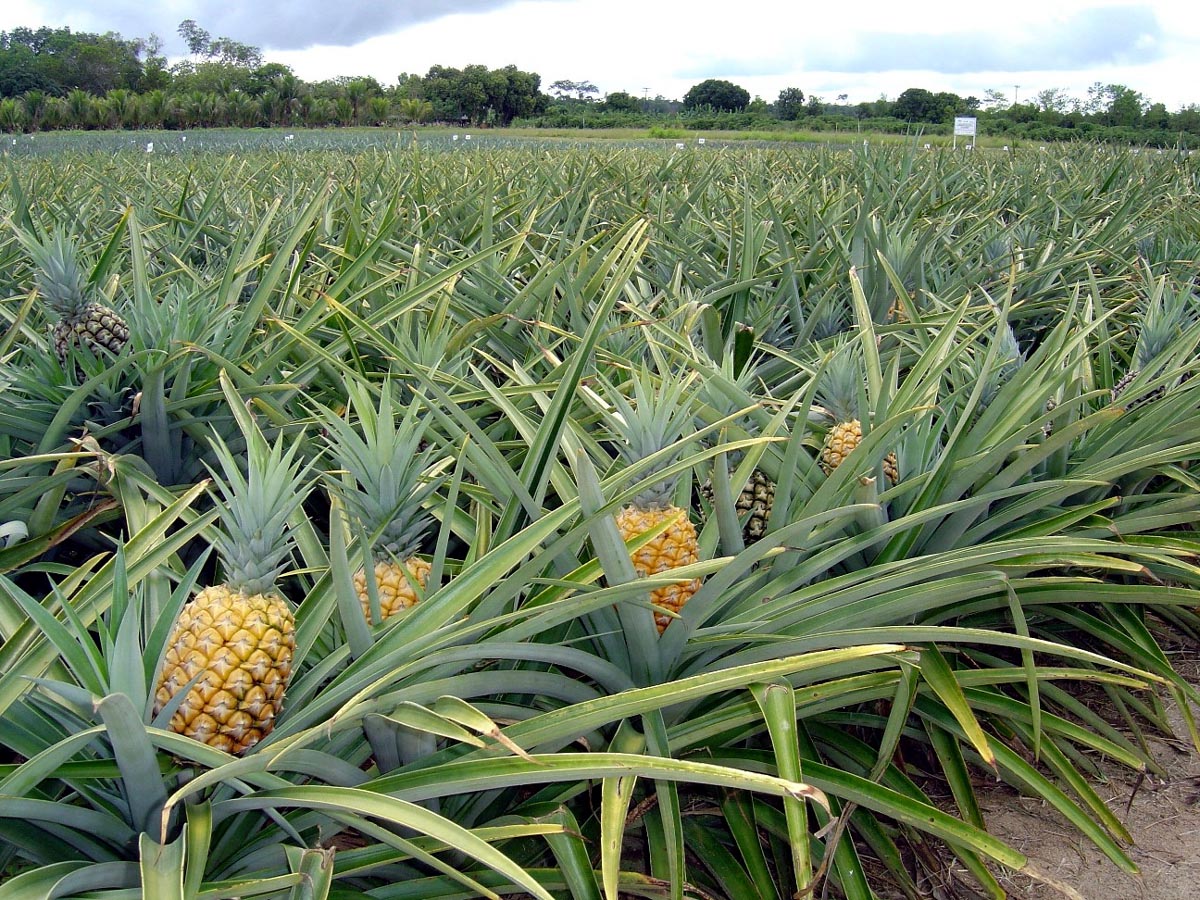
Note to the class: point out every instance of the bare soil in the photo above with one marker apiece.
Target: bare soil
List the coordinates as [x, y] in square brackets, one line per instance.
[1162, 813]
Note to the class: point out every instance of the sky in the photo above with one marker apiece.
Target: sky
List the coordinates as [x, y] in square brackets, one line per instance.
[863, 50]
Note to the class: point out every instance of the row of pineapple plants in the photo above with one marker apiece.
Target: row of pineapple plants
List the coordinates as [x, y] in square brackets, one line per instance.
[695, 489]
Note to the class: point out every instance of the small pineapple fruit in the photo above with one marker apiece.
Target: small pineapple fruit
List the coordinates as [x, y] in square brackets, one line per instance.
[61, 283]
[656, 419]
[728, 394]
[382, 462]
[1004, 366]
[839, 392]
[1164, 318]
[237, 638]
[754, 503]
[1051, 406]
[898, 313]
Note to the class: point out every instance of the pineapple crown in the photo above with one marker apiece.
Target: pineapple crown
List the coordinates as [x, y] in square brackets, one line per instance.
[1164, 316]
[997, 252]
[253, 542]
[829, 317]
[1008, 360]
[731, 390]
[59, 278]
[843, 383]
[661, 412]
[384, 462]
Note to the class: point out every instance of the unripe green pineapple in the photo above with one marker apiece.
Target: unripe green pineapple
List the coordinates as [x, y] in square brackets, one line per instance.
[237, 638]
[62, 285]
[754, 504]
[1005, 364]
[384, 489]
[729, 393]
[1164, 318]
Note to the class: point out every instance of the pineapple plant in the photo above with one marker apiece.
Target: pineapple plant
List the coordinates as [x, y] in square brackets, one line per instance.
[231, 647]
[657, 418]
[757, 496]
[1006, 363]
[381, 464]
[839, 393]
[1163, 320]
[83, 320]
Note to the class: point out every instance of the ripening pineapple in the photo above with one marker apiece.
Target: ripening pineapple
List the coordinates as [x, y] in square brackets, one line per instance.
[1165, 317]
[898, 313]
[839, 392]
[656, 419]
[384, 491]
[239, 636]
[63, 286]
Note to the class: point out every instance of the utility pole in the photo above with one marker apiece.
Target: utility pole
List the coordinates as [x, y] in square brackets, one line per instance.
[1016, 87]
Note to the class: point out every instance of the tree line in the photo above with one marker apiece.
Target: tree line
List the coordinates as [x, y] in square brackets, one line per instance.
[1109, 112]
[59, 79]
[53, 78]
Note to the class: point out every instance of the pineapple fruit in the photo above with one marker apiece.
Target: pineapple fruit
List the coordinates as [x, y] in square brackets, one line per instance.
[1005, 364]
[233, 642]
[62, 285]
[754, 503]
[382, 462]
[657, 418]
[1165, 317]
[839, 393]
[757, 496]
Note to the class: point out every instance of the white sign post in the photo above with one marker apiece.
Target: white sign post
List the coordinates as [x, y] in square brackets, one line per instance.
[964, 125]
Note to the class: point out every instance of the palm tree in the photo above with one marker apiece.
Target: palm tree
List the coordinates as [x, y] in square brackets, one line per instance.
[358, 92]
[107, 115]
[125, 107]
[192, 109]
[381, 109]
[12, 115]
[318, 112]
[81, 109]
[243, 110]
[413, 109]
[288, 91]
[156, 108]
[55, 115]
[35, 108]
[272, 106]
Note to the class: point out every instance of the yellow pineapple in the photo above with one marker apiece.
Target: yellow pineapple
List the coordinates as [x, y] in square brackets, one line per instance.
[82, 318]
[656, 419]
[840, 390]
[382, 462]
[236, 639]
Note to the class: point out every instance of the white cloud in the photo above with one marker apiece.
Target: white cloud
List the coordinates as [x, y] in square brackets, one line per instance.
[870, 48]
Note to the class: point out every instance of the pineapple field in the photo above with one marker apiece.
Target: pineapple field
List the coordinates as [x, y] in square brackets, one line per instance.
[422, 518]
